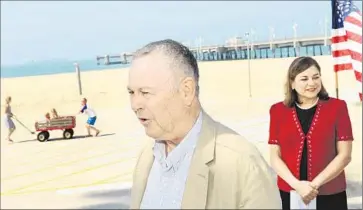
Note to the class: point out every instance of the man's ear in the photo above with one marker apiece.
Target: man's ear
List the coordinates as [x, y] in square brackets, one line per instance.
[188, 90]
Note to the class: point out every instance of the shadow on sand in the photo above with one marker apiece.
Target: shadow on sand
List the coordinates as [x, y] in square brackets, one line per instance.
[354, 189]
[79, 137]
[117, 199]
[120, 199]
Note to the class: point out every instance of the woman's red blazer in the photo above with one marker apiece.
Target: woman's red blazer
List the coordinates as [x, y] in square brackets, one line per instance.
[331, 123]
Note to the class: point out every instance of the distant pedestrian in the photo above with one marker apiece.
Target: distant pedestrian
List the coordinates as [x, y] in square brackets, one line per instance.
[9, 124]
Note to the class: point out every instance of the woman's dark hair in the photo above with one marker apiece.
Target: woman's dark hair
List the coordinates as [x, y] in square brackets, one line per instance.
[299, 65]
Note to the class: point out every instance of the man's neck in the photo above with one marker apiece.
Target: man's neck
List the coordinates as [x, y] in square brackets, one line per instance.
[185, 128]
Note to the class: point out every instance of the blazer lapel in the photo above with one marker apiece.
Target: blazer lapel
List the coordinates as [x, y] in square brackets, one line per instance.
[196, 187]
[143, 169]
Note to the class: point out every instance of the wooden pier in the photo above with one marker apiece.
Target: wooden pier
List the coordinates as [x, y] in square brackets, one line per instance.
[237, 48]
[240, 43]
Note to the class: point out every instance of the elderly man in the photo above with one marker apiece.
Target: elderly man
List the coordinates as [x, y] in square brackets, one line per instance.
[194, 162]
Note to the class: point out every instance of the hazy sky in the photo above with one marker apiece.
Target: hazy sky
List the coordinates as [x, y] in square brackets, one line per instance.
[81, 30]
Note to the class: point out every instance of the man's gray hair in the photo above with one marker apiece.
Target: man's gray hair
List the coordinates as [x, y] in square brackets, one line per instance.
[180, 57]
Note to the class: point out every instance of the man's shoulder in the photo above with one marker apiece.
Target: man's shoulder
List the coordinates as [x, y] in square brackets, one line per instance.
[232, 149]
[233, 142]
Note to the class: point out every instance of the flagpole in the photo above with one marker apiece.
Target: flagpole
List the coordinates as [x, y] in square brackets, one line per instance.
[336, 85]
[247, 36]
[334, 13]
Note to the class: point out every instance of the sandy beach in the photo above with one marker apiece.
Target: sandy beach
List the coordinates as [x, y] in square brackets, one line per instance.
[31, 168]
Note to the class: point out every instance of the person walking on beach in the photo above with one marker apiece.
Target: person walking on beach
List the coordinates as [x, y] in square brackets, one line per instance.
[91, 117]
[310, 139]
[9, 124]
[193, 161]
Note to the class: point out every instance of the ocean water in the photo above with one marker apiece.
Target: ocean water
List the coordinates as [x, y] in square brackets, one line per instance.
[52, 67]
[65, 66]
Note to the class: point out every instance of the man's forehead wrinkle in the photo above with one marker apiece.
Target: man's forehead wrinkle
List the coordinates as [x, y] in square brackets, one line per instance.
[170, 57]
[161, 85]
[170, 62]
[168, 82]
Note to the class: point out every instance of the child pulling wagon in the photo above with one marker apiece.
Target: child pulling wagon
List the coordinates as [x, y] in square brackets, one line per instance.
[91, 117]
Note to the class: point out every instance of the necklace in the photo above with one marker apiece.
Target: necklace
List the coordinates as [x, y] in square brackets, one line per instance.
[309, 106]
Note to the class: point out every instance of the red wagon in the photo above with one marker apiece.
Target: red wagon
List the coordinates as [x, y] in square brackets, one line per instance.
[65, 123]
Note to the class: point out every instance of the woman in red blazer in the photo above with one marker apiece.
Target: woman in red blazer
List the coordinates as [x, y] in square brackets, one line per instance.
[310, 139]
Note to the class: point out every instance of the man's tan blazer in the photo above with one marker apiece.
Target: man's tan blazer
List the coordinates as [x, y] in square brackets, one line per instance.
[226, 172]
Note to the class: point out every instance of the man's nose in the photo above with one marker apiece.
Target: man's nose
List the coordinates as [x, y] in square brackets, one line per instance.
[136, 103]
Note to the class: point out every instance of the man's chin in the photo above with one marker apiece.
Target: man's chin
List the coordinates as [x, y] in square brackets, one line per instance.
[152, 133]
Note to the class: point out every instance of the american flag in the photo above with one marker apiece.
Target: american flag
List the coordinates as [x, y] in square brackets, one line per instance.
[346, 41]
